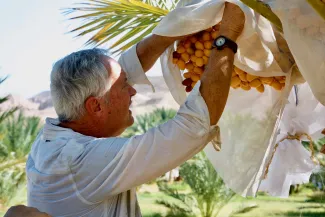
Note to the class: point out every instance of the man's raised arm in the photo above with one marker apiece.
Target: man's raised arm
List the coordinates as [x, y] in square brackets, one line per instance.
[151, 48]
[215, 81]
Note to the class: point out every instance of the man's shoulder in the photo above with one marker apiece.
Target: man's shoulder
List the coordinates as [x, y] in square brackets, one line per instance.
[108, 141]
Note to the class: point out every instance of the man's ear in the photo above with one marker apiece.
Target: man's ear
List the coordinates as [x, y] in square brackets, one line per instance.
[92, 105]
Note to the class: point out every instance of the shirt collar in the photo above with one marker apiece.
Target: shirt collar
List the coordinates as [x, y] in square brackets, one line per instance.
[52, 130]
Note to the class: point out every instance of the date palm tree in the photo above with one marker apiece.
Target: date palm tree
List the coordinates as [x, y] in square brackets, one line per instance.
[146, 121]
[127, 21]
[5, 114]
[208, 193]
[18, 132]
[14, 144]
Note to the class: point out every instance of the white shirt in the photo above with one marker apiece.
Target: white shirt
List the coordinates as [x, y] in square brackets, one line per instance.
[72, 175]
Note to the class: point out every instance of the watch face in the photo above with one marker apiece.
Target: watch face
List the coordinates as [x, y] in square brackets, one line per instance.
[220, 41]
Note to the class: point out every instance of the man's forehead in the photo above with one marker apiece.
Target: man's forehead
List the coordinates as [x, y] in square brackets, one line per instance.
[113, 67]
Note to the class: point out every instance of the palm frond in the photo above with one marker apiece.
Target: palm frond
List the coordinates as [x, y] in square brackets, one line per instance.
[6, 114]
[3, 79]
[9, 112]
[166, 5]
[3, 99]
[20, 133]
[131, 20]
[12, 180]
[176, 208]
[12, 163]
[319, 7]
[263, 9]
[244, 208]
[128, 20]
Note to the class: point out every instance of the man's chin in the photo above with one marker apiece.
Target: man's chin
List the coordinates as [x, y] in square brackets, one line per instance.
[131, 118]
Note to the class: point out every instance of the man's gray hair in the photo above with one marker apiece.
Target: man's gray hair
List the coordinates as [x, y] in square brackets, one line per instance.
[76, 77]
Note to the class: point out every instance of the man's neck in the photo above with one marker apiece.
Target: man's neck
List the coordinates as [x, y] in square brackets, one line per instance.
[83, 127]
[90, 128]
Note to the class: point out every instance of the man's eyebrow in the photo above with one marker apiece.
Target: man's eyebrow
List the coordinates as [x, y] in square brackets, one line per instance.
[124, 74]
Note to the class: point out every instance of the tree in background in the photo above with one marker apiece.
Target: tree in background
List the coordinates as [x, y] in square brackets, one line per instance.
[16, 136]
[144, 122]
[19, 132]
[318, 178]
[5, 114]
[208, 192]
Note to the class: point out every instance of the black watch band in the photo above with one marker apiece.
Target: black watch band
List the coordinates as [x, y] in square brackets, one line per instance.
[221, 42]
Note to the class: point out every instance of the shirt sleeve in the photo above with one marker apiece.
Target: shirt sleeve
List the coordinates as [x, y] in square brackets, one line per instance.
[112, 166]
[131, 65]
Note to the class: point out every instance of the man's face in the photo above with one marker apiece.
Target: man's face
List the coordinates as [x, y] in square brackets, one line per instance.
[117, 115]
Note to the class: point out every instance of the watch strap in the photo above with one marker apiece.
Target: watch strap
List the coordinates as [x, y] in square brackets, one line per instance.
[228, 43]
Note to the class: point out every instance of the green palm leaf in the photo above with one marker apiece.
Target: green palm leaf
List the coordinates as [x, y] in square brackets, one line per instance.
[13, 163]
[125, 20]
[319, 7]
[263, 9]
[8, 113]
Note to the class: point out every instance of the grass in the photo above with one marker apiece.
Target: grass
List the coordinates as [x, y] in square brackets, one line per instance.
[304, 204]
[18, 198]
[281, 208]
[148, 205]
[265, 208]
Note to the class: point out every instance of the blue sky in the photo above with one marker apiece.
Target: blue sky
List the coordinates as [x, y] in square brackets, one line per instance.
[34, 34]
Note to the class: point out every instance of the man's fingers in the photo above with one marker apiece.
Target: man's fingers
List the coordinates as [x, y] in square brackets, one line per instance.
[233, 21]
[24, 211]
[233, 8]
[33, 209]
[39, 214]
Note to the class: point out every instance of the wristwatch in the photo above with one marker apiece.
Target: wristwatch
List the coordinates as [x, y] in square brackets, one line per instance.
[221, 42]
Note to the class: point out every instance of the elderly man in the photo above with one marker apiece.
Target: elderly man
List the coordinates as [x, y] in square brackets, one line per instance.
[78, 166]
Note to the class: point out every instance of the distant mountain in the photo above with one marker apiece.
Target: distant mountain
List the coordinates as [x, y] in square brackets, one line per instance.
[28, 107]
[43, 99]
[16, 100]
[144, 101]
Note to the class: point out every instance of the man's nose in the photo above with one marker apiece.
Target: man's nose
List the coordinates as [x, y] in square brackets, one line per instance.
[132, 91]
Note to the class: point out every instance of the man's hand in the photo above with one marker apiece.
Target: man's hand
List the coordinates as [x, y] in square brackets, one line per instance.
[233, 21]
[24, 211]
